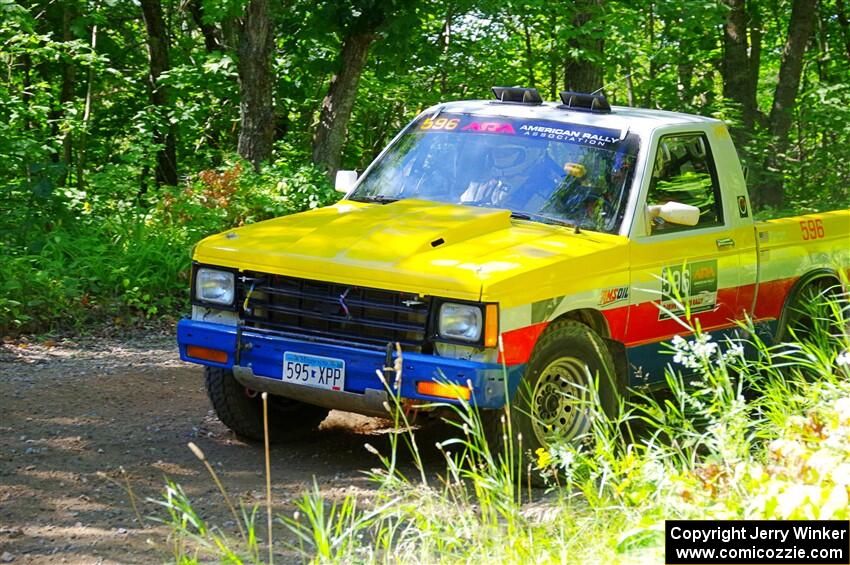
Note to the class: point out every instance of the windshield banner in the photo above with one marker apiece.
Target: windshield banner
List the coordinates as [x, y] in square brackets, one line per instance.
[549, 131]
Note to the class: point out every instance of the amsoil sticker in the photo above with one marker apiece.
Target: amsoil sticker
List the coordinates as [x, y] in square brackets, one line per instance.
[613, 295]
[742, 206]
[693, 285]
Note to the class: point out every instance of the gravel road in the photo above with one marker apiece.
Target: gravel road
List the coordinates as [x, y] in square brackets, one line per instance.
[73, 413]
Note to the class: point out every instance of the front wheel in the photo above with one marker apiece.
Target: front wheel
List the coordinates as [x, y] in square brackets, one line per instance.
[241, 410]
[556, 397]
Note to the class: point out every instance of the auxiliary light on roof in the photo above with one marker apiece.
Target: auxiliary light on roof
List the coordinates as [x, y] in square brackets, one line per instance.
[584, 102]
[517, 95]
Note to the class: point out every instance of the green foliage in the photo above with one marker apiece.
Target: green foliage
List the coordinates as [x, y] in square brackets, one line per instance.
[75, 257]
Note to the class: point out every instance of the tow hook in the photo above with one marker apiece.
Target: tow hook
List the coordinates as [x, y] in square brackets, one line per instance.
[240, 347]
[389, 369]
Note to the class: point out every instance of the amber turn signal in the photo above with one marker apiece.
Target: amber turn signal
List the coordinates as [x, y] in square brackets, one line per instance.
[491, 326]
[206, 354]
[443, 390]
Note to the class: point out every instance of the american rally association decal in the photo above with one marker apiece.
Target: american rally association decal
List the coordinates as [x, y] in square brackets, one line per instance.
[613, 295]
[552, 131]
[594, 136]
[693, 285]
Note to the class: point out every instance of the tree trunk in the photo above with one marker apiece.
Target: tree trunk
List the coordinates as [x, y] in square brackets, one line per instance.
[62, 28]
[630, 86]
[823, 45]
[800, 28]
[84, 126]
[685, 71]
[445, 40]
[529, 53]
[737, 78]
[553, 55]
[157, 40]
[584, 73]
[339, 102]
[844, 24]
[755, 59]
[650, 75]
[69, 75]
[256, 132]
[212, 37]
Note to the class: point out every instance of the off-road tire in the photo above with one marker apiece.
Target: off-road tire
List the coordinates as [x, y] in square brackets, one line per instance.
[242, 413]
[568, 340]
[808, 313]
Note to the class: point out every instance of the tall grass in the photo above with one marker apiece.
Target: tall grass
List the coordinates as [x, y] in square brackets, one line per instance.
[766, 435]
[112, 253]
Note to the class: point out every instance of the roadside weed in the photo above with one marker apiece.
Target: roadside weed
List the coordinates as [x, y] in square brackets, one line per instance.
[761, 435]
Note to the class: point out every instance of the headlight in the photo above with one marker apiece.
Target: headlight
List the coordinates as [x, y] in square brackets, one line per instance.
[215, 286]
[460, 321]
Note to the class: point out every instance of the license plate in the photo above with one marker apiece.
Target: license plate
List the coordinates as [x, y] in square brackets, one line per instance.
[315, 371]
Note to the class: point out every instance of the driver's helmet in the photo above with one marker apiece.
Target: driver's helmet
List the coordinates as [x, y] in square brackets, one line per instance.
[510, 158]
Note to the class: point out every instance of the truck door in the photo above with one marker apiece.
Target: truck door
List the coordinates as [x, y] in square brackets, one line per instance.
[679, 270]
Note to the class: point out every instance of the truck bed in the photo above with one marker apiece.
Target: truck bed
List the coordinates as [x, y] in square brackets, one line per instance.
[788, 248]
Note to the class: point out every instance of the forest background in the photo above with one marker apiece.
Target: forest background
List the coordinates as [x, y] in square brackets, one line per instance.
[130, 130]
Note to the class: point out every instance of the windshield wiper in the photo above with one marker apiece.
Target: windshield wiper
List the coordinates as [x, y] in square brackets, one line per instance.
[378, 198]
[542, 218]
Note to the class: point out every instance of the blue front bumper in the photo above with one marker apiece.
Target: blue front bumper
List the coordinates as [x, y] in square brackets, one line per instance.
[263, 353]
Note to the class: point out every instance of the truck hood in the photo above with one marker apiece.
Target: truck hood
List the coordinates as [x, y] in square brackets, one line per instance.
[411, 245]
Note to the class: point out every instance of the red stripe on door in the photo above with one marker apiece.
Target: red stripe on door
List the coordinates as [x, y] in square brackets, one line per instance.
[639, 324]
[646, 327]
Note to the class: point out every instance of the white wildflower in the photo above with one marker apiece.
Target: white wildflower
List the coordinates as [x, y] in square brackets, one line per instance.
[843, 359]
[835, 503]
[703, 347]
[797, 498]
[841, 475]
[735, 350]
[842, 409]
[786, 448]
[679, 341]
[823, 463]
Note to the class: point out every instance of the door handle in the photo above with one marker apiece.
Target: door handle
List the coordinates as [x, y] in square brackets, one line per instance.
[725, 243]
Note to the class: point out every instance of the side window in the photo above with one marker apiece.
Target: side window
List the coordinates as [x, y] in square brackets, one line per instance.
[684, 172]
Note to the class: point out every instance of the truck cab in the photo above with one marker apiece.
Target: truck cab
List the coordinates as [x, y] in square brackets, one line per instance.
[497, 251]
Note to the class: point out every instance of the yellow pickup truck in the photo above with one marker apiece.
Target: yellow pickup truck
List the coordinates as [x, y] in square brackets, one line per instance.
[506, 244]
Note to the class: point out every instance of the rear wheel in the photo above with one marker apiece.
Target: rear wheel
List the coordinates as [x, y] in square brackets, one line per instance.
[241, 409]
[811, 313]
[555, 400]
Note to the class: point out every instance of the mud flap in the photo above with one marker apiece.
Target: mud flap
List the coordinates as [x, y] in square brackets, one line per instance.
[621, 365]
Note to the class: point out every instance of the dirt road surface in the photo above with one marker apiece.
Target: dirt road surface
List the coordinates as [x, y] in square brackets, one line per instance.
[74, 412]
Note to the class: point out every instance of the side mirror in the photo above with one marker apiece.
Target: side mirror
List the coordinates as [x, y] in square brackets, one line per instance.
[345, 180]
[675, 213]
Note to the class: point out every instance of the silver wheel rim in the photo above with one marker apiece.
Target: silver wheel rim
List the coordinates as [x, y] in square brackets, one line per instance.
[560, 399]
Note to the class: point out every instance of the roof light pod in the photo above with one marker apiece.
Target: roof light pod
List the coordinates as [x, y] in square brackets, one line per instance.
[517, 95]
[584, 102]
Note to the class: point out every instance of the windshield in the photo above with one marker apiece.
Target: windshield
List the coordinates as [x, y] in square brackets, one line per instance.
[542, 171]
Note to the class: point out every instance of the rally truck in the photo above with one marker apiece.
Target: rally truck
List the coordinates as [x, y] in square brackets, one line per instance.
[517, 251]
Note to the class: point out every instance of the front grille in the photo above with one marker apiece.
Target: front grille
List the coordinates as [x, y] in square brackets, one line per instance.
[335, 312]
